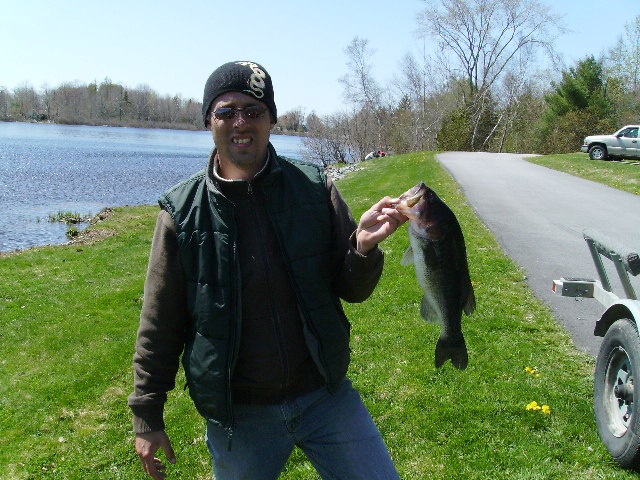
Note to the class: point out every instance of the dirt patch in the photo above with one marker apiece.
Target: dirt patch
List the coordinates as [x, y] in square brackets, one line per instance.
[91, 235]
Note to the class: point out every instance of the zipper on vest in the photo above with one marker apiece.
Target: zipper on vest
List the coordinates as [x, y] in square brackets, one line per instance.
[278, 334]
[304, 316]
[229, 436]
[232, 349]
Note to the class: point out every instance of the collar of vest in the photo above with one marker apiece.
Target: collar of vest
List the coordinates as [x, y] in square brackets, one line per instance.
[267, 173]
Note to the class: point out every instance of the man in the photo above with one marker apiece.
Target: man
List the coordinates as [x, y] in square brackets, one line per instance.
[249, 260]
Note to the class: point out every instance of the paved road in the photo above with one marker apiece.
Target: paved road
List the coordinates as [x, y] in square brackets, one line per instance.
[538, 216]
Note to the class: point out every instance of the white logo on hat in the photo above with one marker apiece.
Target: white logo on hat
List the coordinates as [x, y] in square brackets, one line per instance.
[256, 82]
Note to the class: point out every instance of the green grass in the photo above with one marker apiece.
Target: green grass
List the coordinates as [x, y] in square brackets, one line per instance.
[68, 319]
[622, 176]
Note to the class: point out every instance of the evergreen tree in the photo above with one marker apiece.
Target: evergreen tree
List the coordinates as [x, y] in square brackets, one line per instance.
[578, 106]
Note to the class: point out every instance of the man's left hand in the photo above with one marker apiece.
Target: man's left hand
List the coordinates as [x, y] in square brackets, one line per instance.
[377, 223]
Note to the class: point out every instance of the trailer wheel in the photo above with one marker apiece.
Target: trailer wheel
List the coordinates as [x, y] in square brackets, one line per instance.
[614, 391]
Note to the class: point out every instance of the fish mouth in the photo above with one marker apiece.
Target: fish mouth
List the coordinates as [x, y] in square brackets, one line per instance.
[410, 198]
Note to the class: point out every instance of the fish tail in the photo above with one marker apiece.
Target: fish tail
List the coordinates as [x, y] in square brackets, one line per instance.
[457, 353]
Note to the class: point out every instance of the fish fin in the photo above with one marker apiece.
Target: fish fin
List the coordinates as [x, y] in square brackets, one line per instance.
[408, 257]
[456, 352]
[470, 304]
[427, 312]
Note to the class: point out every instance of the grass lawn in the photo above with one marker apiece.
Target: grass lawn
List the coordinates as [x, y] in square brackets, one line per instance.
[69, 314]
[621, 175]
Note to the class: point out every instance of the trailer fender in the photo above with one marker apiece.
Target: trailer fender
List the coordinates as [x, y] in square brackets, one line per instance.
[623, 308]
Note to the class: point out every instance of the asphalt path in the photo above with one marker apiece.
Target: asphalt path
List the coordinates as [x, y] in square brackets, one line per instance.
[539, 215]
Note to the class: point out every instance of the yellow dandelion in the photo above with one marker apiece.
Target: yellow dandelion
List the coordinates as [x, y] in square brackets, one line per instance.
[533, 406]
[533, 371]
[546, 409]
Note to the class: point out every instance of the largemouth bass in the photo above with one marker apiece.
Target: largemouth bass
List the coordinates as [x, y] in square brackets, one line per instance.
[439, 255]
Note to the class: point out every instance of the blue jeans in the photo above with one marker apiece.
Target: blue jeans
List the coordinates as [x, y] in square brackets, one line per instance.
[336, 433]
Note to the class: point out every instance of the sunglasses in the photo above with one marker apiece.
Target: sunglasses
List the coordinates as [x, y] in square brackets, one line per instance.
[250, 113]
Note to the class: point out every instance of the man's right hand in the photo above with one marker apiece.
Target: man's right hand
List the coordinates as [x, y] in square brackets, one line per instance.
[147, 444]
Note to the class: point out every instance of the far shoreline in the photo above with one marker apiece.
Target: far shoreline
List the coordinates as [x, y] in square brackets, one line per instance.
[150, 125]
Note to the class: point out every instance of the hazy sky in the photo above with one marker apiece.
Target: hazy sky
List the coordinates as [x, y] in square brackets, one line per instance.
[172, 46]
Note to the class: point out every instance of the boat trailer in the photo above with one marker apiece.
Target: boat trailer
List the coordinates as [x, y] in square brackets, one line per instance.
[618, 360]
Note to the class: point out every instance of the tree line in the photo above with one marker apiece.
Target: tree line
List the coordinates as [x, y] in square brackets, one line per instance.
[109, 103]
[485, 88]
[104, 103]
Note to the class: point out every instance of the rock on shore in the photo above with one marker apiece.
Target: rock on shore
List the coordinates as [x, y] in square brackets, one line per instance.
[336, 173]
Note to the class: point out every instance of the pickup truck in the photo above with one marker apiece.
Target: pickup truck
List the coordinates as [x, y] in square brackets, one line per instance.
[622, 144]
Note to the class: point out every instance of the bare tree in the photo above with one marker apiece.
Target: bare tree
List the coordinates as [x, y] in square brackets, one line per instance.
[109, 95]
[69, 103]
[5, 99]
[329, 142]
[25, 102]
[359, 85]
[623, 62]
[422, 86]
[361, 88]
[479, 40]
[292, 121]
[144, 102]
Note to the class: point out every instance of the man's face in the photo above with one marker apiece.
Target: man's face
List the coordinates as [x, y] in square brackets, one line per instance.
[241, 141]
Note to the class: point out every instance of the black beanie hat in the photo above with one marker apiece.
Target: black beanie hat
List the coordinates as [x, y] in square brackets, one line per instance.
[249, 78]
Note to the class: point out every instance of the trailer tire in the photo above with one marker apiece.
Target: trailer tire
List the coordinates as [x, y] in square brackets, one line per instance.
[614, 391]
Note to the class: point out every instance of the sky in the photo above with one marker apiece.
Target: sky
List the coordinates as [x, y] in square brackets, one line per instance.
[173, 46]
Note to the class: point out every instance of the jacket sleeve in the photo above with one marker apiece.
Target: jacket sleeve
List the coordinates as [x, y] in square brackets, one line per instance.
[161, 334]
[357, 274]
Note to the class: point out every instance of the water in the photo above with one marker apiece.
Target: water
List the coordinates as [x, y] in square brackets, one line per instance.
[46, 169]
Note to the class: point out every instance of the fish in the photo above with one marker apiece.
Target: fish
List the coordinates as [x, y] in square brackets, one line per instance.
[438, 253]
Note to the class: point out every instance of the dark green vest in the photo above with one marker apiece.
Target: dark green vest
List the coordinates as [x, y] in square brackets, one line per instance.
[300, 210]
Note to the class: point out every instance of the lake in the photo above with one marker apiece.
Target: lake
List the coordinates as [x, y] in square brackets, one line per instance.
[46, 169]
